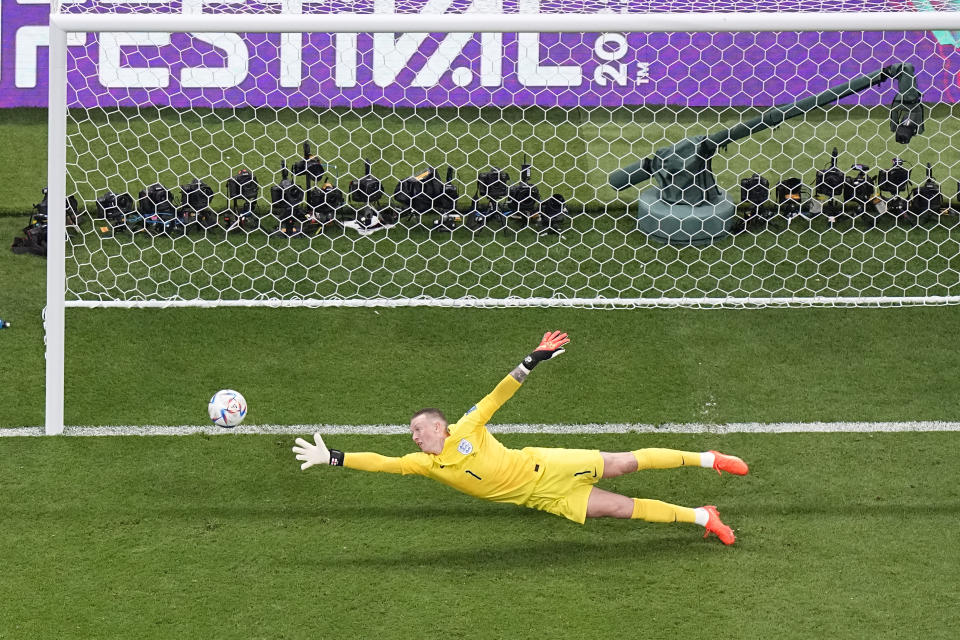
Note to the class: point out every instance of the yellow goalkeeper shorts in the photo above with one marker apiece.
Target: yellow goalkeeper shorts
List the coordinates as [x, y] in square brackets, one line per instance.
[567, 480]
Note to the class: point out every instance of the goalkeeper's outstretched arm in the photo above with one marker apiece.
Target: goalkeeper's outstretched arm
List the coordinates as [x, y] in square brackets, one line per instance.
[551, 346]
[318, 453]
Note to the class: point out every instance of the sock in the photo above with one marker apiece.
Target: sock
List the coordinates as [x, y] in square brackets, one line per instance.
[667, 459]
[706, 459]
[656, 511]
[701, 516]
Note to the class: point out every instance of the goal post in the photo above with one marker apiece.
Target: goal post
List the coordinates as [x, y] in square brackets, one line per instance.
[500, 153]
[54, 319]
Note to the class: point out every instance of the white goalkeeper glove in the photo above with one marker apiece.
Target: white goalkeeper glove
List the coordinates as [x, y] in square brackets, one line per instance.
[311, 454]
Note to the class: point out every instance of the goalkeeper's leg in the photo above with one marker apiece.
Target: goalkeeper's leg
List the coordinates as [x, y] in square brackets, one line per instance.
[616, 464]
[606, 504]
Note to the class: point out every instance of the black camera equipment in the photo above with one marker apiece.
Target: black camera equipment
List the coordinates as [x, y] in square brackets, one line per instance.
[367, 191]
[323, 200]
[368, 217]
[71, 208]
[492, 186]
[926, 200]
[286, 203]
[115, 208]
[310, 165]
[34, 238]
[243, 191]
[554, 214]
[523, 198]
[954, 212]
[893, 182]
[195, 209]
[157, 212]
[830, 183]
[418, 194]
[754, 192]
[322, 204]
[445, 205]
[790, 195]
[858, 191]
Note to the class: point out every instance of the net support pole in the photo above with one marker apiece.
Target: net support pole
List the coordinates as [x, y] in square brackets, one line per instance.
[54, 318]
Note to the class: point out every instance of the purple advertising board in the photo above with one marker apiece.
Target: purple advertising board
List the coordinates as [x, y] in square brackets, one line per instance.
[298, 70]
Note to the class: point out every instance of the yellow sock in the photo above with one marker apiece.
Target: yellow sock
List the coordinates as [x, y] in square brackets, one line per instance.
[665, 459]
[656, 511]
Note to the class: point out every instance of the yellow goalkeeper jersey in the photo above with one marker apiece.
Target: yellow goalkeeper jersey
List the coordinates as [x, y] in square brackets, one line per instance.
[473, 460]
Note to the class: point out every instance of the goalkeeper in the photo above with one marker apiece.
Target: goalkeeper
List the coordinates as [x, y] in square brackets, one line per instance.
[467, 457]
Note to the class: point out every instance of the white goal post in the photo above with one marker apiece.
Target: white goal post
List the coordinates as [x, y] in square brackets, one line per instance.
[520, 101]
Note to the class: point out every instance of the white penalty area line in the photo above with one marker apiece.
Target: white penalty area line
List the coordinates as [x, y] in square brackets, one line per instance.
[601, 428]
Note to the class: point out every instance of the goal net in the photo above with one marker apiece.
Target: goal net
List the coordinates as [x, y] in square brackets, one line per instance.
[524, 152]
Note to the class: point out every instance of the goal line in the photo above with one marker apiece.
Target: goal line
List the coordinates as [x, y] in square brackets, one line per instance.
[572, 429]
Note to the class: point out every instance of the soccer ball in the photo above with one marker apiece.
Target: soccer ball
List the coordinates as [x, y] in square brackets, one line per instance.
[227, 408]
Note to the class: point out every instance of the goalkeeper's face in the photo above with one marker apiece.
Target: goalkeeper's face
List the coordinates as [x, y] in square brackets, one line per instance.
[429, 432]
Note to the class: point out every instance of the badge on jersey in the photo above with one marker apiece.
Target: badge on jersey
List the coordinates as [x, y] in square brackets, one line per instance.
[465, 447]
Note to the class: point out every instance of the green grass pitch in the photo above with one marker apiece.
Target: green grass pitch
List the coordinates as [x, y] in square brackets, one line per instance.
[840, 536]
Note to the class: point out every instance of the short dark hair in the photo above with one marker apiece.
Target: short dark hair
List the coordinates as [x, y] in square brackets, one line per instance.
[431, 412]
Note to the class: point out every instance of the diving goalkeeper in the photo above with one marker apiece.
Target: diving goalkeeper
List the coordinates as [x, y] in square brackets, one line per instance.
[467, 457]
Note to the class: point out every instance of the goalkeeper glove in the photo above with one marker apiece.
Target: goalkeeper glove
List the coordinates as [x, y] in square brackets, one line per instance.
[550, 347]
[311, 454]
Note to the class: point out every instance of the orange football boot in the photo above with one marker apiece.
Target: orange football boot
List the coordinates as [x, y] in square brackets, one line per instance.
[730, 464]
[714, 525]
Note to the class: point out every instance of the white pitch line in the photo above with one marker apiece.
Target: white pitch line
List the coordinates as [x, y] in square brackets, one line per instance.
[396, 429]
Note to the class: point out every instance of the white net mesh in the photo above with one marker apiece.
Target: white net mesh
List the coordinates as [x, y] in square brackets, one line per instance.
[490, 160]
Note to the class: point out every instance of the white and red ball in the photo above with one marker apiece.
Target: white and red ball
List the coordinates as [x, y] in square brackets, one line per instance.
[227, 408]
